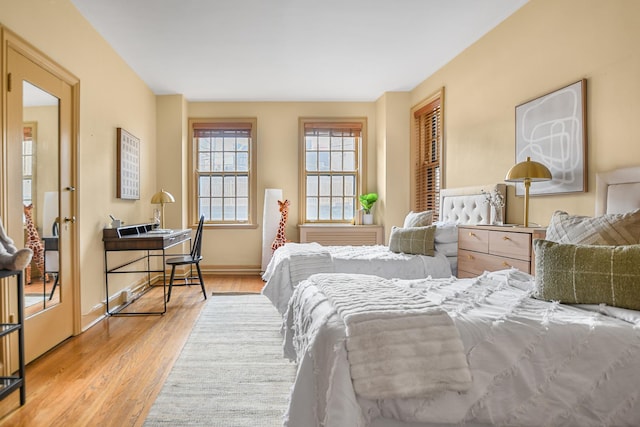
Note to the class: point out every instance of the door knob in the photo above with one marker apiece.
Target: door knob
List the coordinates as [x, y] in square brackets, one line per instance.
[72, 220]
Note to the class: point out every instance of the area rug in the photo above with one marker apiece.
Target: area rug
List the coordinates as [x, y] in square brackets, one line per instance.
[231, 372]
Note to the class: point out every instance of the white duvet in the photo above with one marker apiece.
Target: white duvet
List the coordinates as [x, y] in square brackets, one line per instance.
[533, 363]
[294, 262]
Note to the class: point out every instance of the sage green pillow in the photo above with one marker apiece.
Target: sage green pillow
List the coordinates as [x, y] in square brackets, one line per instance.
[413, 240]
[588, 274]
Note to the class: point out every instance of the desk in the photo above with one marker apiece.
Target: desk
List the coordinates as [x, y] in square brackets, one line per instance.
[140, 237]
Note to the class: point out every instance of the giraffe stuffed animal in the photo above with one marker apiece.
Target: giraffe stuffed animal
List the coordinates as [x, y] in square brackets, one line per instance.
[34, 242]
[281, 237]
[12, 258]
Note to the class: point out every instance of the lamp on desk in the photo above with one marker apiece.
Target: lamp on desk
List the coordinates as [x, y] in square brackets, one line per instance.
[162, 197]
[527, 172]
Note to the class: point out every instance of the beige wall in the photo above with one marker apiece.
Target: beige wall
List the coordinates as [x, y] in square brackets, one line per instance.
[545, 45]
[111, 96]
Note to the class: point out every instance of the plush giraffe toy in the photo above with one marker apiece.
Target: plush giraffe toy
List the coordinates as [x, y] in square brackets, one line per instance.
[34, 242]
[281, 238]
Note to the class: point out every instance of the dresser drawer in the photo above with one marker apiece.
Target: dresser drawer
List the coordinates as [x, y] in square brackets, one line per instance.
[510, 244]
[473, 239]
[476, 263]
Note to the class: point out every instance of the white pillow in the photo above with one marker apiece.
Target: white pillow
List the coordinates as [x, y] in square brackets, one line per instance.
[418, 219]
[446, 232]
[447, 249]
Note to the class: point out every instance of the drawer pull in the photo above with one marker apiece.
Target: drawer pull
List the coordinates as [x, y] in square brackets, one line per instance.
[472, 234]
[505, 263]
[506, 238]
[470, 256]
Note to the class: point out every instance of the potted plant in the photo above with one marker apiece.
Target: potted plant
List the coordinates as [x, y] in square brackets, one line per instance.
[367, 201]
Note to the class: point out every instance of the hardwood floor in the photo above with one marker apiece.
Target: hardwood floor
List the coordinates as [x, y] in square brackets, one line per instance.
[111, 374]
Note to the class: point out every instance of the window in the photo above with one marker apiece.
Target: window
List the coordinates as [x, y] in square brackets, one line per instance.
[427, 147]
[223, 155]
[332, 155]
[28, 162]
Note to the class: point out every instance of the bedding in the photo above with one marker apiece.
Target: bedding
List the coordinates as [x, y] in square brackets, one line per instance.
[295, 262]
[532, 362]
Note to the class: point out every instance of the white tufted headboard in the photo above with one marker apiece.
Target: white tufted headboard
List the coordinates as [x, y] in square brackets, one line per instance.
[467, 205]
[618, 191]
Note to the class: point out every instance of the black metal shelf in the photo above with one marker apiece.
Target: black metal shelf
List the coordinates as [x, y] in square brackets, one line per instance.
[8, 384]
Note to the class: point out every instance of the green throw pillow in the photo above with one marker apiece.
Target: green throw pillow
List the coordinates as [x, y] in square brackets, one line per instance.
[413, 240]
[588, 274]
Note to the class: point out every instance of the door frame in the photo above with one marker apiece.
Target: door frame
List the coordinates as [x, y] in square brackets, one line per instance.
[10, 40]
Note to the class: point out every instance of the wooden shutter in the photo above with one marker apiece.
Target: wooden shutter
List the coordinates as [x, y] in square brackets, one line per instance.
[427, 153]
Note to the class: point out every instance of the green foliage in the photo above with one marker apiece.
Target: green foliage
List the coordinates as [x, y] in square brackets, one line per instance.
[367, 201]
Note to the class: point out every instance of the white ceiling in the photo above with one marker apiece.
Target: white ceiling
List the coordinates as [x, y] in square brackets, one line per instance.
[290, 50]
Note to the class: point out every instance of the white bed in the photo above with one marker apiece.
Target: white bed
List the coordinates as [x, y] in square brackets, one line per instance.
[294, 262]
[532, 362]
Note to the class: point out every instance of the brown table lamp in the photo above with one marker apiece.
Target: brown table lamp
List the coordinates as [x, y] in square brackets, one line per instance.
[162, 197]
[527, 172]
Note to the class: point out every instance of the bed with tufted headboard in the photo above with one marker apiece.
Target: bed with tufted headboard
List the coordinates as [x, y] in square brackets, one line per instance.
[294, 262]
[535, 356]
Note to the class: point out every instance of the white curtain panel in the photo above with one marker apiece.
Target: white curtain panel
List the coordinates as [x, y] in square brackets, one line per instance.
[270, 220]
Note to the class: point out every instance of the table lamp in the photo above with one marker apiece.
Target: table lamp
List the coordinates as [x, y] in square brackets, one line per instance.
[527, 172]
[162, 197]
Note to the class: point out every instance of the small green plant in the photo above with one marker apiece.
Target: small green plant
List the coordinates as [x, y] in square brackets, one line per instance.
[367, 201]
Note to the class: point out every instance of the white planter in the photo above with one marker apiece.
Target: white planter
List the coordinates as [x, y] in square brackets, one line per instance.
[367, 219]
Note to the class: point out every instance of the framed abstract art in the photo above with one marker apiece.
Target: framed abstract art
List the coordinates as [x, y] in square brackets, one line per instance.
[128, 165]
[552, 130]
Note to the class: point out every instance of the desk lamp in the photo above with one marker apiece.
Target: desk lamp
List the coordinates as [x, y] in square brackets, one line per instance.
[162, 197]
[527, 172]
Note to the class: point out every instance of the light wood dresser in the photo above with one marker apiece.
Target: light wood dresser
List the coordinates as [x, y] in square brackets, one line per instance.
[489, 248]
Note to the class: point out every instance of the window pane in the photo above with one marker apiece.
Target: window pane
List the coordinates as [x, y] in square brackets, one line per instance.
[229, 144]
[229, 186]
[242, 186]
[336, 207]
[242, 164]
[242, 209]
[349, 185]
[323, 143]
[216, 209]
[312, 208]
[349, 208]
[349, 161]
[336, 143]
[336, 161]
[204, 208]
[216, 186]
[217, 144]
[217, 161]
[324, 208]
[312, 185]
[311, 143]
[204, 144]
[349, 143]
[229, 209]
[312, 161]
[242, 144]
[325, 185]
[204, 162]
[337, 185]
[204, 186]
[323, 161]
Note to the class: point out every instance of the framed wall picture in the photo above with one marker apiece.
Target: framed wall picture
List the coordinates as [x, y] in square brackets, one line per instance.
[552, 130]
[128, 165]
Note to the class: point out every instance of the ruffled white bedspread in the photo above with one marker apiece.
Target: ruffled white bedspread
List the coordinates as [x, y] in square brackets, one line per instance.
[294, 262]
[399, 344]
[533, 363]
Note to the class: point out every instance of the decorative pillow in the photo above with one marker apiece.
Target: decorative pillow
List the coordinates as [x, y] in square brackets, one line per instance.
[588, 274]
[412, 240]
[418, 219]
[446, 249]
[611, 229]
[446, 232]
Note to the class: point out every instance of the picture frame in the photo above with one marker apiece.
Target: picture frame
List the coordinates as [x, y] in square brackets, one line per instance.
[128, 181]
[552, 130]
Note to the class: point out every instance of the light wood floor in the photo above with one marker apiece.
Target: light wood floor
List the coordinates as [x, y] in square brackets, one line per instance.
[111, 374]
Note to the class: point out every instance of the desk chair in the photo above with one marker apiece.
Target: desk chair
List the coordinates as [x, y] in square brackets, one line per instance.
[193, 258]
[52, 258]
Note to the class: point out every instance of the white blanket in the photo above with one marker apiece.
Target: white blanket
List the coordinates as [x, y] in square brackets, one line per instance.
[399, 343]
[294, 262]
[533, 363]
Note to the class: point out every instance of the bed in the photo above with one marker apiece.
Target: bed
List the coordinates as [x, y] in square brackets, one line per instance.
[506, 351]
[294, 262]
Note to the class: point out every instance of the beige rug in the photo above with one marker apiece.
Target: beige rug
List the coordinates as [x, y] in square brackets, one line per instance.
[231, 372]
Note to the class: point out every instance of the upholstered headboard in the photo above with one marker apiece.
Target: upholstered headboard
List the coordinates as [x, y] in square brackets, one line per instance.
[467, 205]
[618, 191]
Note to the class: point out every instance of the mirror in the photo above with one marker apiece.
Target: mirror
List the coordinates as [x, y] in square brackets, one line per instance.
[40, 183]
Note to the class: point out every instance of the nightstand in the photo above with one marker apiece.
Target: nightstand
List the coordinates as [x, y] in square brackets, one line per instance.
[489, 248]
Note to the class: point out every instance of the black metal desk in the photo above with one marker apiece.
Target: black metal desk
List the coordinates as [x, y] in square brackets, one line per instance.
[11, 383]
[140, 237]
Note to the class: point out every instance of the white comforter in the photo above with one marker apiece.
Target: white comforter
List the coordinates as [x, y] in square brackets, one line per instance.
[533, 363]
[294, 262]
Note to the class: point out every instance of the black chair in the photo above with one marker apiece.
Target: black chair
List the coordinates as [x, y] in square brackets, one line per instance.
[51, 258]
[193, 258]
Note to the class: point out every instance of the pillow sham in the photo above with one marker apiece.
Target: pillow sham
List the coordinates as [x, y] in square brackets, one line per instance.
[588, 274]
[418, 219]
[412, 240]
[610, 229]
[446, 232]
